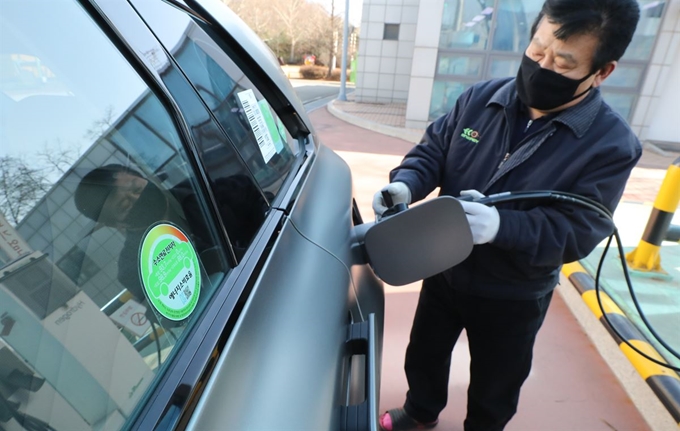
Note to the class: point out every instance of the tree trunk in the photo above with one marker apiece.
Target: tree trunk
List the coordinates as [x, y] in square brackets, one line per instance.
[331, 51]
[291, 59]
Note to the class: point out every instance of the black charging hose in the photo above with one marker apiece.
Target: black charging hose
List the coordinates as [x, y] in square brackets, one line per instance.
[158, 343]
[564, 197]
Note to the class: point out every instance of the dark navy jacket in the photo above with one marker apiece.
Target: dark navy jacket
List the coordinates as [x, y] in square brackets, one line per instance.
[586, 149]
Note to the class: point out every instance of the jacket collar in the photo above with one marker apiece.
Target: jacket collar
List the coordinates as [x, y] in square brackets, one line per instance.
[578, 118]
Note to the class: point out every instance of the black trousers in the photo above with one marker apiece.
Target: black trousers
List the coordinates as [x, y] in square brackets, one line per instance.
[501, 335]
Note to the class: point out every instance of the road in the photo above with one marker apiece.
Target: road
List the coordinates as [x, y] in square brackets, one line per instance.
[315, 94]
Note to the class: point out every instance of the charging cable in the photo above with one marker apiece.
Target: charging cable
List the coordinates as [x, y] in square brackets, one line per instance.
[564, 197]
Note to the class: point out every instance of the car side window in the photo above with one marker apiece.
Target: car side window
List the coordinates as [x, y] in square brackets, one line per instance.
[108, 247]
[248, 120]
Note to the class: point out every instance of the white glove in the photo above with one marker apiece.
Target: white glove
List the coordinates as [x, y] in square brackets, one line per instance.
[473, 193]
[484, 221]
[400, 194]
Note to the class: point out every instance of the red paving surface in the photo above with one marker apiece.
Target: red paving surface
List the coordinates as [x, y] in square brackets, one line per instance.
[570, 387]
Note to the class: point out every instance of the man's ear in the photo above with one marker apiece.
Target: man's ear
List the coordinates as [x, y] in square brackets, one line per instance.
[604, 73]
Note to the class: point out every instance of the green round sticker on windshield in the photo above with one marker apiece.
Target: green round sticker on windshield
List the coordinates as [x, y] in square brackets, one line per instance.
[168, 266]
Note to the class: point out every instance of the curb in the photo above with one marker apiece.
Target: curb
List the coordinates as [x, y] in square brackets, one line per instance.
[408, 135]
[665, 383]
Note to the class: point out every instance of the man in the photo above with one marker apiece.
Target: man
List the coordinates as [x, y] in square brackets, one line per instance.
[546, 129]
[122, 198]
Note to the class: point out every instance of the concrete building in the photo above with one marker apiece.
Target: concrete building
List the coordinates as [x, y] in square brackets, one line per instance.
[425, 53]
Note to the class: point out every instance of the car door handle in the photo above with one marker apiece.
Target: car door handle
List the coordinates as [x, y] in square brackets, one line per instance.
[362, 340]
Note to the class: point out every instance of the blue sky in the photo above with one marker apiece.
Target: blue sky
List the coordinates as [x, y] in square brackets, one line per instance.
[355, 7]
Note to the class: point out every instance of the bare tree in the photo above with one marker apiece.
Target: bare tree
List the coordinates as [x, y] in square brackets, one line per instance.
[319, 33]
[332, 45]
[59, 159]
[258, 14]
[100, 126]
[21, 187]
[291, 14]
[290, 27]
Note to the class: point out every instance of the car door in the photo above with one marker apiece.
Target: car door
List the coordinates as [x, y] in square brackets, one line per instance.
[307, 330]
[112, 253]
[183, 274]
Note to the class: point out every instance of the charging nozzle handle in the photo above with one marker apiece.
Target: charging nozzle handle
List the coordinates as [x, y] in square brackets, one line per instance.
[387, 198]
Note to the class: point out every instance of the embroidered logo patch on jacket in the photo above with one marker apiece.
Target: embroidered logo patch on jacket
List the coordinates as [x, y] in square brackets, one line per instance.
[470, 135]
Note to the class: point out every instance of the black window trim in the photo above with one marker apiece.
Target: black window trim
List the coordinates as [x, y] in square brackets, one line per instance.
[175, 64]
[278, 201]
[278, 101]
[150, 78]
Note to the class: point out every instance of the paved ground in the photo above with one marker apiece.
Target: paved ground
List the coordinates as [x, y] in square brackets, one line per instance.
[659, 296]
[571, 387]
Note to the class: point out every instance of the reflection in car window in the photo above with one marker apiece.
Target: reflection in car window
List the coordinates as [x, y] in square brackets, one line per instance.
[107, 251]
[249, 121]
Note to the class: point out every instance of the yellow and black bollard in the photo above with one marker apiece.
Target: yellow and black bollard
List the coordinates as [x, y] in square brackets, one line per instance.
[646, 258]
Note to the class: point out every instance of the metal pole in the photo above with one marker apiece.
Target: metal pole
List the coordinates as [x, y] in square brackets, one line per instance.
[342, 96]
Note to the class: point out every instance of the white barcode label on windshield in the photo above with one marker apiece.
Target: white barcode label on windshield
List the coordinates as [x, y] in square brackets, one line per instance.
[257, 124]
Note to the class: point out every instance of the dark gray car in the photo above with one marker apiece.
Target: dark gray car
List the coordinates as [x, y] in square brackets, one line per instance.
[177, 249]
[176, 246]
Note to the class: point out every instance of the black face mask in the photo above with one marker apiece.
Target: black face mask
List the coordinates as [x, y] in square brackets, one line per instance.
[544, 89]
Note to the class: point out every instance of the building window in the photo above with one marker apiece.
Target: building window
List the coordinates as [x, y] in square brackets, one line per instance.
[465, 25]
[503, 67]
[485, 40]
[620, 102]
[391, 32]
[459, 65]
[642, 45]
[444, 96]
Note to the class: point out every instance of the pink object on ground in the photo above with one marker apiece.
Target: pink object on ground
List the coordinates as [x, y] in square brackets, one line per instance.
[386, 422]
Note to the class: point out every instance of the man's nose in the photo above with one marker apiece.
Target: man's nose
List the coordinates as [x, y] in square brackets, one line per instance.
[547, 62]
[129, 199]
[133, 194]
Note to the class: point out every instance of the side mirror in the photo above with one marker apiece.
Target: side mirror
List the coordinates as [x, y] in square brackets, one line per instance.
[419, 242]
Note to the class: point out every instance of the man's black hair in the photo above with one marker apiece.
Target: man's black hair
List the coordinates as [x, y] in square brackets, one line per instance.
[95, 187]
[612, 22]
